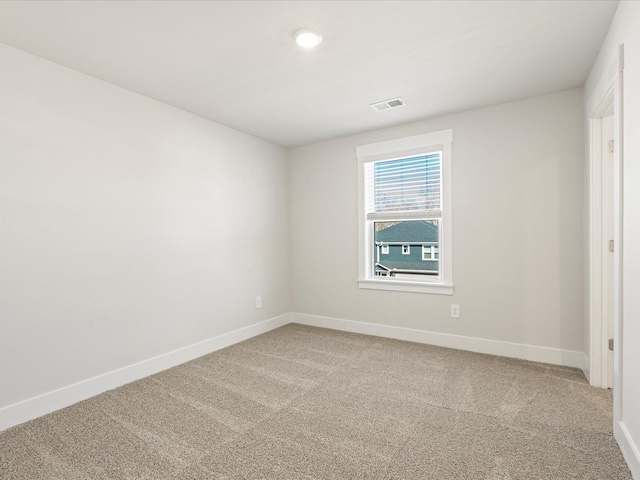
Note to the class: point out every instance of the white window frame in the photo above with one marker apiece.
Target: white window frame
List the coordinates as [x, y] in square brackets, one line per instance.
[402, 148]
[385, 250]
[407, 247]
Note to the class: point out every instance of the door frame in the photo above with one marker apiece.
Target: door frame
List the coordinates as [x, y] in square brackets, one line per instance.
[607, 95]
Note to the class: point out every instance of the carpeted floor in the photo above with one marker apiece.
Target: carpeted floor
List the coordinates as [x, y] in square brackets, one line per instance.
[306, 403]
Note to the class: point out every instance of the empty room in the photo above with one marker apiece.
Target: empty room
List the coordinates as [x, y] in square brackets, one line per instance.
[319, 240]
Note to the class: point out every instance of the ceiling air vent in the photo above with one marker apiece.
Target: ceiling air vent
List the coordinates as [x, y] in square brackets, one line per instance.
[388, 104]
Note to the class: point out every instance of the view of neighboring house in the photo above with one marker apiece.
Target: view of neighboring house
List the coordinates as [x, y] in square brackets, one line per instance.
[408, 247]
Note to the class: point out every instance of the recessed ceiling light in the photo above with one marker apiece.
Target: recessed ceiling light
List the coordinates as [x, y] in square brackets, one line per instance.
[307, 38]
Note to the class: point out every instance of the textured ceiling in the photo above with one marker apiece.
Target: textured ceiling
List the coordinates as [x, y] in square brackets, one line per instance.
[236, 63]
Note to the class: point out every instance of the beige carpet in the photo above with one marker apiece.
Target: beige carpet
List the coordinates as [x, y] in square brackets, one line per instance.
[308, 403]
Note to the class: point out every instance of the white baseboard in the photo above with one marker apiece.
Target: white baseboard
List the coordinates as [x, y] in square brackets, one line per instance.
[628, 447]
[586, 367]
[481, 345]
[63, 397]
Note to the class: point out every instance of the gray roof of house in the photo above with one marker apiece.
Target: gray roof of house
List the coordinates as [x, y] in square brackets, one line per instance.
[407, 232]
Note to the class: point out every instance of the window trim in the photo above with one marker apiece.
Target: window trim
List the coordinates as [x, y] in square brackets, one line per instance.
[385, 250]
[407, 247]
[400, 148]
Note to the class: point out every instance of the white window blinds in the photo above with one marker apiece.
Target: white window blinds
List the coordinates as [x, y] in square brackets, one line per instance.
[404, 188]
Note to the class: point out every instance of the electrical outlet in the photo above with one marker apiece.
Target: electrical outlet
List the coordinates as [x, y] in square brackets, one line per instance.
[455, 310]
[258, 302]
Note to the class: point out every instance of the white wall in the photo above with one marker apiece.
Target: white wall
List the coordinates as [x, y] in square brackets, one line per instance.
[625, 29]
[128, 228]
[517, 233]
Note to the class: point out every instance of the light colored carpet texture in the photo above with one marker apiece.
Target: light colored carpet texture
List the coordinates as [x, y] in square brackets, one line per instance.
[307, 403]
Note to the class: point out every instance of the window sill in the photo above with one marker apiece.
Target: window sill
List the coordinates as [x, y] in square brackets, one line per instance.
[406, 286]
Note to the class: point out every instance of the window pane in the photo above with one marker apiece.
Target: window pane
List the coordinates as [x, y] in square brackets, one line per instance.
[415, 237]
[407, 184]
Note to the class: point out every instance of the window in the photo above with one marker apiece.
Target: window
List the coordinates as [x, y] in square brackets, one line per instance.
[430, 252]
[405, 202]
